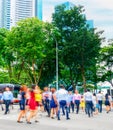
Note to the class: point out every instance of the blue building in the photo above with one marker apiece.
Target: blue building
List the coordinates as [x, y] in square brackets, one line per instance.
[5, 13]
[38, 9]
[68, 5]
[12, 11]
[90, 23]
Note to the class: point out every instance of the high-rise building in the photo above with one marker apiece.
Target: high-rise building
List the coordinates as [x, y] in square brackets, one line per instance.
[70, 5]
[5, 6]
[11, 11]
[90, 23]
[22, 9]
[38, 9]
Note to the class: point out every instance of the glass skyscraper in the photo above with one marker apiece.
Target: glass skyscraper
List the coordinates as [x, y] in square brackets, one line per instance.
[5, 6]
[38, 9]
[11, 11]
[22, 9]
[70, 5]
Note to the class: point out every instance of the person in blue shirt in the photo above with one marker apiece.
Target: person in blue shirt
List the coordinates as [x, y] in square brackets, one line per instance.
[1, 100]
[7, 98]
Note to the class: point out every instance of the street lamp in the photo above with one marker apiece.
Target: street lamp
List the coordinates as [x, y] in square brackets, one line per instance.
[55, 31]
[56, 64]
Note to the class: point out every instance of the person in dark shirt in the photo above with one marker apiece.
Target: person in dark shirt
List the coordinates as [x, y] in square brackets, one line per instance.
[107, 103]
[22, 103]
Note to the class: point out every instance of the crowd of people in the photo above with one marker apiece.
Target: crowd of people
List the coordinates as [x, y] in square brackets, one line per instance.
[54, 102]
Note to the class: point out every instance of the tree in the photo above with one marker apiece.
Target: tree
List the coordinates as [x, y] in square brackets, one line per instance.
[80, 45]
[106, 60]
[27, 43]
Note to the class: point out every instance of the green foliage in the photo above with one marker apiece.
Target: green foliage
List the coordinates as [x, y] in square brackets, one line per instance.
[79, 45]
[106, 58]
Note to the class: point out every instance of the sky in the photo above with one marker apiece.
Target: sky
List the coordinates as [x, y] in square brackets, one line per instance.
[101, 11]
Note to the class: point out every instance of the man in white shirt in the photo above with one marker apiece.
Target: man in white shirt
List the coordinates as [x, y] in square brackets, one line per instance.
[88, 96]
[62, 97]
[100, 99]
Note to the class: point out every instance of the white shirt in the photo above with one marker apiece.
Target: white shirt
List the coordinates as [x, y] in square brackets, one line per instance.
[99, 96]
[94, 100]
[88, 96]
[62, 94]
[47, 95]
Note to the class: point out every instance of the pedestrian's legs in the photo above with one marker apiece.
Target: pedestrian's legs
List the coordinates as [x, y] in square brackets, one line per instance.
[7, 103]
[67, 113]
[69, 107]
[47, 107]
[72, 106]
[100, 106]
[58, 113]
[63, 111]
[77, 102]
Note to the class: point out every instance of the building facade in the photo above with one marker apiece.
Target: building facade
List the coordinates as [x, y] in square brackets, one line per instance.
[5, 7]
[22, 9]
[70, 5]
[12, 11]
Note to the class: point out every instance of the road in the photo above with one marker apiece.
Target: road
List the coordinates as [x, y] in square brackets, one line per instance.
[79, 121]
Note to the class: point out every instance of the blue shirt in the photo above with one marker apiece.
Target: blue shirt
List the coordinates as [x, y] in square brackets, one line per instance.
[7, 95]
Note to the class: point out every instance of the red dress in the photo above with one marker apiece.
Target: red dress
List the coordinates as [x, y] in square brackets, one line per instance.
[32, 103]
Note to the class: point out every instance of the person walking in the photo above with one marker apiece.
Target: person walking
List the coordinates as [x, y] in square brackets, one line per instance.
[1, 94]
[82, 103]
[22, 103]
[76, 100]
[100, 100]
[7, 98]
[53, 104]
[107, 103]
[70, 100]
[32, 107]
[88, 96]
[46, 100]
[62, 97]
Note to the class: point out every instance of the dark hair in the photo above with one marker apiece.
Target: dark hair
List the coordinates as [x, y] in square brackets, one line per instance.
[33, 86]
[62, 86]
[99, 92]
[94, 94]
[88, 90]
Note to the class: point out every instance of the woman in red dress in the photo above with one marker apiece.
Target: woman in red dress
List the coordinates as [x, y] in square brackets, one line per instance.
[32, 106]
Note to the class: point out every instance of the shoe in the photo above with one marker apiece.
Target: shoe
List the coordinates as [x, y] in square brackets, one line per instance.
[47, 115]
[59, 119]
[36, 121]
[28, 122]
[5, 113]
[68, 118]
[52, 118]
[19, 121]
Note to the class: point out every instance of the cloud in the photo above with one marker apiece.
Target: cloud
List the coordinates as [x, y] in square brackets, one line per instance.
[101, 11]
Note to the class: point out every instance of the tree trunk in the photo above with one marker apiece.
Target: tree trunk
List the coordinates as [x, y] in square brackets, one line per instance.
[83, 77]
[10, 71]
[33, 70]
[22, 65]
[40, 72]
[71, 78]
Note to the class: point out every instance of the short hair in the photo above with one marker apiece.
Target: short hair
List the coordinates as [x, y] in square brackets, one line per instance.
[62, 86]
[88, 90]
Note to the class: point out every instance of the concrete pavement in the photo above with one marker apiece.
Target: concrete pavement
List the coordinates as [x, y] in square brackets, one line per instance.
[79, 121]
